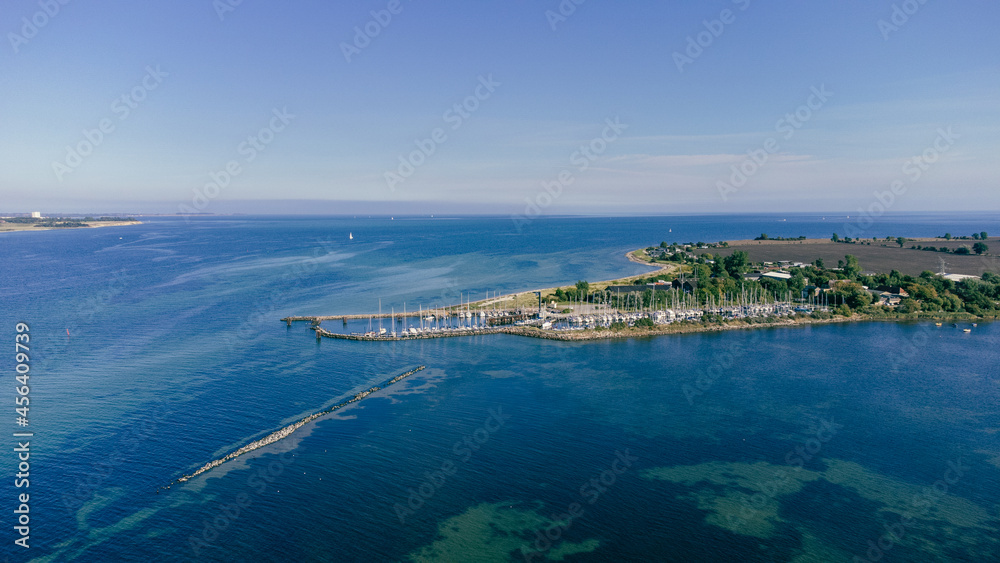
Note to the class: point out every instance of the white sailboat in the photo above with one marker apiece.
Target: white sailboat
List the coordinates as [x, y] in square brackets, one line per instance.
[350, 236]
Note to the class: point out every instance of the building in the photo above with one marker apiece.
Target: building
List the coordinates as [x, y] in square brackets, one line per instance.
[959, 277]
[777, 275]
[688, 286]
[885, 298]
[36, 214]
[894, 290]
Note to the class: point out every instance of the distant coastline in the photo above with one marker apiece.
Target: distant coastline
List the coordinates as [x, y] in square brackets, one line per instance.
[30, 227]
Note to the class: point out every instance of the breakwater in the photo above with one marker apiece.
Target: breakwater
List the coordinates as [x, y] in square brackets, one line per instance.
[288, 430]
[603, 334]
[322, 332]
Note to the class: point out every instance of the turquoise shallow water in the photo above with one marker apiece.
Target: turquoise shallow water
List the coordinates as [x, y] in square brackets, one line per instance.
[803, 444]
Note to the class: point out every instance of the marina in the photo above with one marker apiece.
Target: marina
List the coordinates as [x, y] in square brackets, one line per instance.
[604, 314]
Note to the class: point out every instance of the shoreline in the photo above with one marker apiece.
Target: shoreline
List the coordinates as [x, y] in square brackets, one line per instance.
[684, 327]
[28, 227]
[631, 332]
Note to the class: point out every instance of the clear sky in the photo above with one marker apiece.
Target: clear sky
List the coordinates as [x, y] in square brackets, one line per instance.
[179, 87]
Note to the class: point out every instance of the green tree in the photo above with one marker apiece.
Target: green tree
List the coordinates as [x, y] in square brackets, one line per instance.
[736, 263]
[980, 248]
[702, 272]
[853, 295]
[909, 306]
[947, 236]
[719, 269]
[819, 263]
[963, 250]
[901, 241]
[797, 283]
[952, 303]
[835, 237]
[582, 287]
[983, 236]
[851, 266]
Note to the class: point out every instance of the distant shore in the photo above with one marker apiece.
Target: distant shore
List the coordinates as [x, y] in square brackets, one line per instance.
[17, 227]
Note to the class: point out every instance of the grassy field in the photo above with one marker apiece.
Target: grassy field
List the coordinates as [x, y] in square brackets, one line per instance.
[877, 257]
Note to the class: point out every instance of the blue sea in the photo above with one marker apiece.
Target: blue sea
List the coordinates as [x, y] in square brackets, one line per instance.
[157, 348]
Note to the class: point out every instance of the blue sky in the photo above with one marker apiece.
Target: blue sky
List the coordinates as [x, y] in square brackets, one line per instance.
[928, 87]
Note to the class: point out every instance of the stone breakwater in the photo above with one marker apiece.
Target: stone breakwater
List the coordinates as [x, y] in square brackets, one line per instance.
[606, 334]
[287, 431]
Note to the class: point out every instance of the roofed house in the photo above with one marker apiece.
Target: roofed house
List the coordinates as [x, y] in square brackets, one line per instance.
[688, 286]
[895, 290]
[887, 299]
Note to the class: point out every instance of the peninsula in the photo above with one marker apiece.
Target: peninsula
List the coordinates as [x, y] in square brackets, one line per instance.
[11, 224]
[728, 285]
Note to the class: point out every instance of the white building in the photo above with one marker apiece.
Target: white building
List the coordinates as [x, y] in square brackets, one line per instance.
[36, 214]
[959, 277]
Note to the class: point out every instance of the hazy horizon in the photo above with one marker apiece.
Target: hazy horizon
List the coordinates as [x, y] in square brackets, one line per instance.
[569, 107]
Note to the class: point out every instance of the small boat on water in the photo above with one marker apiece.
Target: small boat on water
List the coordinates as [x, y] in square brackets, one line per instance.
[937, 324]
[350, 236]
[966, 330]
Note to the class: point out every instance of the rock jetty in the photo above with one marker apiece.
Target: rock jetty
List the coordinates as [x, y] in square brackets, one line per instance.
[287, 431]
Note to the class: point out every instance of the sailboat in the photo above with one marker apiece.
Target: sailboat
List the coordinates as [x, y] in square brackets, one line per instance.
[350, 236]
